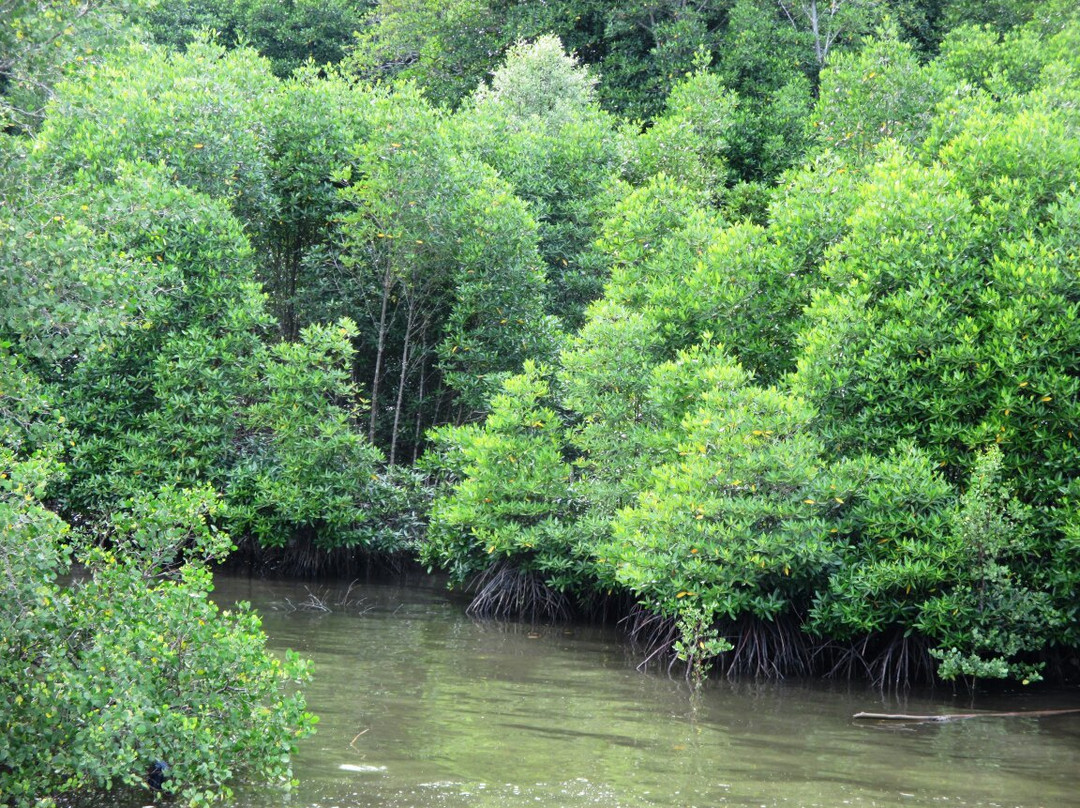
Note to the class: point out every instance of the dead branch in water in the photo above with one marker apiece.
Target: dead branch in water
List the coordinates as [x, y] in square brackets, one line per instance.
[960, 716]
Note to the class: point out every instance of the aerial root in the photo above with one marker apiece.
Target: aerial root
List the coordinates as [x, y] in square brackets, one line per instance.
[889, 661]
[769, 649]
[502, 590]
[774, 649]
[654, 634]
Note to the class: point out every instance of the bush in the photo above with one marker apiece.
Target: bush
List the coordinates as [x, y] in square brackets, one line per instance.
[131, 663]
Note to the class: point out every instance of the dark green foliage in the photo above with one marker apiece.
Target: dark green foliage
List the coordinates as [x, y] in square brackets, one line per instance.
[173, 382]
[447, 47]
[445, 255]
[304, 470]
[316, 122]
[953, 580]
[289, 33]
[159, 401]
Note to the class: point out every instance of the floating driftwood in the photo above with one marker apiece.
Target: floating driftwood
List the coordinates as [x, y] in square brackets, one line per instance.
[960, 716]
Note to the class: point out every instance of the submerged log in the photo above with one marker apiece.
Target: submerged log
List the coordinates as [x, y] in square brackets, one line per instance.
[960, 716]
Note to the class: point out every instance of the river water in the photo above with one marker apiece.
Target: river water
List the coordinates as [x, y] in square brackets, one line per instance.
[422, 707]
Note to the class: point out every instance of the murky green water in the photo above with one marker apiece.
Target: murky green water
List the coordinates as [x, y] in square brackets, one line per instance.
[422, 707]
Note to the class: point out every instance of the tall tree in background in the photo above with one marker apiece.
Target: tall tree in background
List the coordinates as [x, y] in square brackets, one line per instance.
[447, 255]
[447, 48]
[538, 124]
[289, 33]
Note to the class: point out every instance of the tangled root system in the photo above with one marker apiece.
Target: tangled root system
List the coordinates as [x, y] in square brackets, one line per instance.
[305, 560]
[505, 591]
[775, 649]
[769, 649]
[889, 661]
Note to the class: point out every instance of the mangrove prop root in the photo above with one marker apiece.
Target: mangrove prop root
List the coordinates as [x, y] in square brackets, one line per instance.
[960, 716]
[504, 591]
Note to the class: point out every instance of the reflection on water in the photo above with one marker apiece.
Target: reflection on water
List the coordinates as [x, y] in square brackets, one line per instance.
[422, 707]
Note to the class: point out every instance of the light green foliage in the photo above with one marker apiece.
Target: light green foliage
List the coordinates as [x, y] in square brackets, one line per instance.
[59, 295]
[1003, 15]
[692, 274]
[853, 515]
[147, 668]
[1015, 164]
[947, 325]
[809, 210]
[200, 113]
[604, 377]
[902, 274]
[878, 93]
[123, 660]
[689, 141]
[638, 224]
[539, 79]
[985, 60]
[737, 522]
[743, 291]
[699, 642]
[513, 497]
[892, 518]
[528, 491]
[43, 40]
[956, 268]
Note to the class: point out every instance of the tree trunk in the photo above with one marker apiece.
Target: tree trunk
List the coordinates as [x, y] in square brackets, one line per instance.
[410, 322]
[937, 719]
[380, 350]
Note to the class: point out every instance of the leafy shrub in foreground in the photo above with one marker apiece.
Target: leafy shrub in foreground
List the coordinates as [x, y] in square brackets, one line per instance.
[131, 664]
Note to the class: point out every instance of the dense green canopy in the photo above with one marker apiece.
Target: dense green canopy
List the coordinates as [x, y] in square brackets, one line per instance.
[755, 321]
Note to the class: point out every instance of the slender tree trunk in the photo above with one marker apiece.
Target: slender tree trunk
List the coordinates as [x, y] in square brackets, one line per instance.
[380, 350]
[409, 324]
[292, 270]
[419, 406]
[815, 28]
